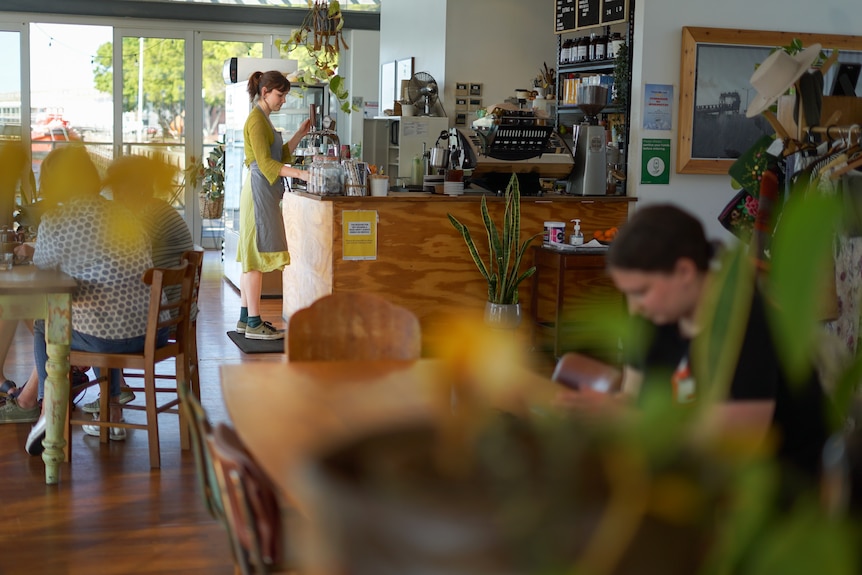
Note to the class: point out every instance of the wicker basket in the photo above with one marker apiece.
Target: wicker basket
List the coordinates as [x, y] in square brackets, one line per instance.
[211, 209]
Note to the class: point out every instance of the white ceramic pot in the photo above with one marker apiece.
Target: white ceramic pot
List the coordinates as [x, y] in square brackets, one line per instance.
[503, 316]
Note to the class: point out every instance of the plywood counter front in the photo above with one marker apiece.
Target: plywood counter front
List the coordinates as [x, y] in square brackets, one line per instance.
[422, 262]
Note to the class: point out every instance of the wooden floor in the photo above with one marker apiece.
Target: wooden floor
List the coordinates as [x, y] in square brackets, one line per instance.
[110, 514]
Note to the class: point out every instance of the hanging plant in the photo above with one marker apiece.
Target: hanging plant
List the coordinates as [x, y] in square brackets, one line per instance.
[321, 37]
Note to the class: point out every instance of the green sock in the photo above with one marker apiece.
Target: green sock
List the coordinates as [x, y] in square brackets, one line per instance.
[254, 321]
[243, 314]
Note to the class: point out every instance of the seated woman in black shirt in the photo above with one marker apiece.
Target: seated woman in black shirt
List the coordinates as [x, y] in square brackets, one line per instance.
[660, 261]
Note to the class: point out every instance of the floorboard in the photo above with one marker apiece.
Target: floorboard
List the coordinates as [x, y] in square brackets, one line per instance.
[111, 514]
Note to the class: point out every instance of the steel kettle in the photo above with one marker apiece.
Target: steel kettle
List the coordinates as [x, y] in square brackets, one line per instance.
[439, 156]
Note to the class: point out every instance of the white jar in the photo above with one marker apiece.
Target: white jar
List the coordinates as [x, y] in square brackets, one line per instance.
[554, 233]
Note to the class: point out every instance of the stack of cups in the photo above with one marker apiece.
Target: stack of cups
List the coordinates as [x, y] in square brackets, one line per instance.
[454, 184]
[379, 185]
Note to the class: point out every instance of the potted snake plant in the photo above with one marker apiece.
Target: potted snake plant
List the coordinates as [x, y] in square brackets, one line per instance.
[505, 252]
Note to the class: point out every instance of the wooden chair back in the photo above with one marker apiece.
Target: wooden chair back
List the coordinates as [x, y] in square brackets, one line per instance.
[353, 326]
[195, 259]
[171, 315]
[251, 505]
[199, 430]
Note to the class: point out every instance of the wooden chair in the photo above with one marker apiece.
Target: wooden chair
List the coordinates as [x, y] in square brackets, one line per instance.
[353, 326]
[199, 430]
[195, 259]
[577, 370]
[159, 317]
[252, 511]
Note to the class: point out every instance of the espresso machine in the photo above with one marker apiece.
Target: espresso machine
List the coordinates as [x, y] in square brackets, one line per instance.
[589, 178]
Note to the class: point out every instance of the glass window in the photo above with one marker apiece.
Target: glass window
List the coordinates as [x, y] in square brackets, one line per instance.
[70, 95]
[10, 86]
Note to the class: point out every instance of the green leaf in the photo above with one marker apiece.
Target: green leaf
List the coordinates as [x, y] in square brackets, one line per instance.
[802, 246]
[505, 255]
[724, 317]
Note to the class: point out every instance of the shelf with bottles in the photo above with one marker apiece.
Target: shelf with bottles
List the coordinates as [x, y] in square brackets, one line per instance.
[593, 51]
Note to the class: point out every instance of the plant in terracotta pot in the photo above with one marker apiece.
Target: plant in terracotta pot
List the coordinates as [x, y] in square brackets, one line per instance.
[505, 252]
[210, 174]
[476, 489]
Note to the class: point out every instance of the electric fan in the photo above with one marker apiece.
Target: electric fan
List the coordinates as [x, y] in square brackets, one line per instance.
[422, 91]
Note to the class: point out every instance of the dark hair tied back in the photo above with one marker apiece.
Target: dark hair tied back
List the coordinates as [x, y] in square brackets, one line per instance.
[656, 237]
[272, 80]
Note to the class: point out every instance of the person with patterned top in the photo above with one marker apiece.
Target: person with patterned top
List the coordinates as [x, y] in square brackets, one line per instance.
[139, 183]
[103, 246]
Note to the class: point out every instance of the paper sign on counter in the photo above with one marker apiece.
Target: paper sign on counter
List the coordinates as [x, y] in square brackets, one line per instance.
[359, 234]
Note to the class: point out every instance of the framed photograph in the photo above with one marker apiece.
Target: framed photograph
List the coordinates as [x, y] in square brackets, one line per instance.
[403, 73]
[387, 85]
[715, 89]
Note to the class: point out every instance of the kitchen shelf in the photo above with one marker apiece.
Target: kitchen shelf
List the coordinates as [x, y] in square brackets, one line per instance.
[573, 109]
[597, 66]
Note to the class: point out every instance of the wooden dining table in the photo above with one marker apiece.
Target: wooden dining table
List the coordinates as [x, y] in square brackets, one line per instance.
[287, 411]
[27, 292]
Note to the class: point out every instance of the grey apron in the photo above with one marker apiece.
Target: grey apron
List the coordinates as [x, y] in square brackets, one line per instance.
[267, 203]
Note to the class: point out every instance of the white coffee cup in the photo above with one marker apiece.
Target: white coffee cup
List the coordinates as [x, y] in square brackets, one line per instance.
[379, 186]
[408, 110]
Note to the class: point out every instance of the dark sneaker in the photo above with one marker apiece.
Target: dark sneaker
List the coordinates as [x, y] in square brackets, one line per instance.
[11, 412]
[241, 326]
[263, 331]
[126, 396]
[37, 435]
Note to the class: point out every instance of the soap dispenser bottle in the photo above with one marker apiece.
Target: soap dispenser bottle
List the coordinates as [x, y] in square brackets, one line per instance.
[577, 238]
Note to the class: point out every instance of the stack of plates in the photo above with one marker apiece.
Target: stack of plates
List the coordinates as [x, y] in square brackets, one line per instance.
[453, 188]
[430, 182]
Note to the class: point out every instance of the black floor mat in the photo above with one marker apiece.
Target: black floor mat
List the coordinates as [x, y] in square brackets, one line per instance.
[256, 345]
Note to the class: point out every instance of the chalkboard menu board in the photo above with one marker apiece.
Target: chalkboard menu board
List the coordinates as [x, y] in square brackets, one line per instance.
[588, 13]
[578, 14]
[565, 15]
[614, 11]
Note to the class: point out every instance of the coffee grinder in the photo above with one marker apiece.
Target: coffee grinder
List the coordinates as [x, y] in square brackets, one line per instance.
[589, 177]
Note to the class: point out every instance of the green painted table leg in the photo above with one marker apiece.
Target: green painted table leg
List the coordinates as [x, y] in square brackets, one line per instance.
[58, 335]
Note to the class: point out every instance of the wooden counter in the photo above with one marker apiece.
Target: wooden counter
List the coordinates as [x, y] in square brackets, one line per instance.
[422, 262]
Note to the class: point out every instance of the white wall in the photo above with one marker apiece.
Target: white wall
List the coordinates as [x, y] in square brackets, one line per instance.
[656, 61]
[418, 29]
[500, 44]
[359, 67]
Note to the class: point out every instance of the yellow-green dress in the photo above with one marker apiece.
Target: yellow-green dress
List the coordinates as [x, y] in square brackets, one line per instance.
[262, 241]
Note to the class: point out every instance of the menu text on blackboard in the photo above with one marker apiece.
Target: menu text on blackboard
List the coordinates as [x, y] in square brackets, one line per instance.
[565, 15]
[588, 13]
[570, 15]
[614, 11]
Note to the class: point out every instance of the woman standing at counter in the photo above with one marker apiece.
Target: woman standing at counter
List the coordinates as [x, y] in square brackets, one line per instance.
[262, 243]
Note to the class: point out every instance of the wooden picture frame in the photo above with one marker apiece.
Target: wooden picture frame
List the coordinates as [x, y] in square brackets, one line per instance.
[403, 73]
[387, 86]
[725, 56]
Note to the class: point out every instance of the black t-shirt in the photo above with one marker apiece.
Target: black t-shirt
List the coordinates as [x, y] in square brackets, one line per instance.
[800, 410]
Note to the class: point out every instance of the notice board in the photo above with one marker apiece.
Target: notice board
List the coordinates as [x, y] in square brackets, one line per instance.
[570, 15]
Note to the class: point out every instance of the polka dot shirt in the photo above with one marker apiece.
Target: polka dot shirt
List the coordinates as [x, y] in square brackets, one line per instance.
[105, 249]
